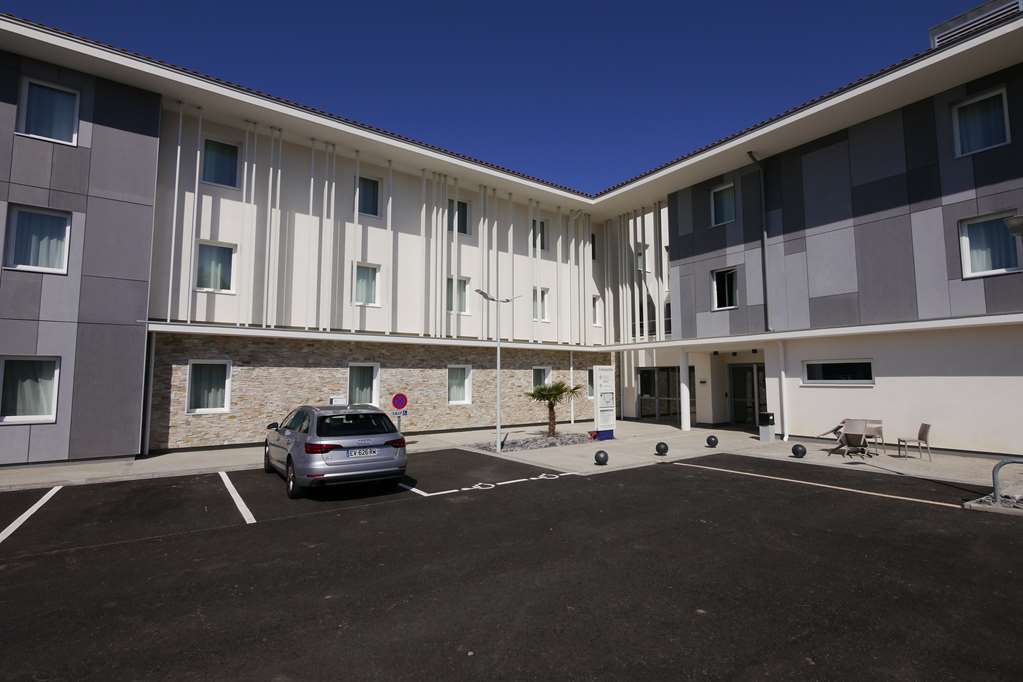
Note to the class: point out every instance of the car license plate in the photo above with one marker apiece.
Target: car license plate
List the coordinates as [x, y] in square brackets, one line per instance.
[362, 452]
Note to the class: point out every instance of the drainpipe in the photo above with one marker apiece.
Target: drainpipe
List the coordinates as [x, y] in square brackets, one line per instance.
[763, 237]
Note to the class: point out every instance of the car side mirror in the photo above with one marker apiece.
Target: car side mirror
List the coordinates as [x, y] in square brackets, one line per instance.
[273, 426]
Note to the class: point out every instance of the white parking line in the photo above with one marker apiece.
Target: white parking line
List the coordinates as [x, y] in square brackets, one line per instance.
[821, 485]
[238, 501]
[417, 491]
[16, 524]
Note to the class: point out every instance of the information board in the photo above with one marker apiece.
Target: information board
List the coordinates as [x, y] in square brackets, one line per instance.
[604, 392]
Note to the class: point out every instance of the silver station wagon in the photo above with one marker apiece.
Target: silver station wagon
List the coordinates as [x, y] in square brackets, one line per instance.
[316, 446]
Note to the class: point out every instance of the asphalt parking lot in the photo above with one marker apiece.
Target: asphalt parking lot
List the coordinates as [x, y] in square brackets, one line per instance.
[721, 566]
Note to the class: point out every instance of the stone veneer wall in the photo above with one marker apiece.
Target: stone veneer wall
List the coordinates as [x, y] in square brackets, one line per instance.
[269, 377]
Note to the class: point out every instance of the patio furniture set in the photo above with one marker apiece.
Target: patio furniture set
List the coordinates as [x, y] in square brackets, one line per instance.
[866, 437]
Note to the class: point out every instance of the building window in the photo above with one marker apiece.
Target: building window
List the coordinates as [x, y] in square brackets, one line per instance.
[589, 383]
[723, 290]
[667, 318]
[209, 386]
[363, 384]
[593, 247]
[459, 384]
[366, 284]
[981, 123]
[369, 196]
[29, 391]
[462, 215]
[220, 163]
[214, 267]
[722, 205]
[540, 296]
[458, 297]
[539, 235]
[541, 376]
[37, 240]
[598, 312]
[988, 248]
[48, 111]
[855, 372]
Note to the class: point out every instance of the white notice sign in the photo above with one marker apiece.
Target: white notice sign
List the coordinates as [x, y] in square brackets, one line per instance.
[604, 392]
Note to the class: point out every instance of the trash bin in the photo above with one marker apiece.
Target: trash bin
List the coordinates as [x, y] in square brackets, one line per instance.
[765, 421]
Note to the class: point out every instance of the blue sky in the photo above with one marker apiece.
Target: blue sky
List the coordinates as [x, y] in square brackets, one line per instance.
[584, 94]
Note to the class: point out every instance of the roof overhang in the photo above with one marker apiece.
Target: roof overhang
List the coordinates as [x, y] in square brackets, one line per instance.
[929, 74]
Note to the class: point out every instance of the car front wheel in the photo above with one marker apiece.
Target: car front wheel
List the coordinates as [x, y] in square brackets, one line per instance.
[294, 490]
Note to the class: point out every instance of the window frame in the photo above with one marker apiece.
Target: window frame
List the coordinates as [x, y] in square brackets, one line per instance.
[713, 217]
[714, 307]
[548, 374]
[964, 247]
[538, 233]
[380, 183]
[468, 384]
[33, 418]
[454, 294]
[829, 382]
[227, 387]
[376, 283]
[11, 238]
[23, 110]
[597, 310]
[591, 384]
[468, 217]
[542, 296]
[234, 261]
[237, 163]
[959, 153]
[376, 382]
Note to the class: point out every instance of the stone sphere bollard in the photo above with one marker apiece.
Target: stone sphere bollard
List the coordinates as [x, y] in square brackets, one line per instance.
[661, 448]
[600, 459]
[712, 441]
[798, 451]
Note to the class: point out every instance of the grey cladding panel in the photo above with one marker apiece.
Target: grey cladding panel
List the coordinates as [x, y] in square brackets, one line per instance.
[877, 149]
[107, 412]
[32, 161]
[124, 143]
[19, 294]
[688, 307]
[117, 239]
[751, 209]
[113, 301]
[18, 337]
[1004, 293]
[880, 198]
[826, 185]
[884, 262]
[929, 264]
[834, 311]
[70, 169]
[831, 262]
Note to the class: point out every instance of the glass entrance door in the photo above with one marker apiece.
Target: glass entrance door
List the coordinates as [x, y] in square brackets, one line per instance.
[659, 392]
[648, 393]
[747, 390]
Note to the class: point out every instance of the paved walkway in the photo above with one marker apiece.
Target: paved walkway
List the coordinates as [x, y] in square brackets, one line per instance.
[633, 447]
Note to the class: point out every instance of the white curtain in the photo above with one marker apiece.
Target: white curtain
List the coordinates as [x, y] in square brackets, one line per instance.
[214, 267]
[360, 385]
[992, 247]
[28, 388]
[50, 113]
[208, 386]
[39, 240]
[456, 301]
[981, 124]
[365, 285]
[456, 384]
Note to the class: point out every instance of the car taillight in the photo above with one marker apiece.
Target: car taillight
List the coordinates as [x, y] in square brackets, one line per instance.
[396, 443]
[318, 448]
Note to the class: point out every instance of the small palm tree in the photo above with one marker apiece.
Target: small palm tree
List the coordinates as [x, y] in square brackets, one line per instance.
[552, 394]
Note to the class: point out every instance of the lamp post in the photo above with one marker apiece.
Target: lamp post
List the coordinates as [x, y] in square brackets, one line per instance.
[492, 299]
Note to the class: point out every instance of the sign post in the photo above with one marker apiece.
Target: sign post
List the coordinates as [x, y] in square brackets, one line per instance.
[399, 401]
[604, 388]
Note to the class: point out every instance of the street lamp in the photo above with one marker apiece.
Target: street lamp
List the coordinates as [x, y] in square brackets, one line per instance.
[492, 299]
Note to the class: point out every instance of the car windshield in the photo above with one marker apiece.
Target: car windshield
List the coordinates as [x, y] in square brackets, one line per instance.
[356, 424]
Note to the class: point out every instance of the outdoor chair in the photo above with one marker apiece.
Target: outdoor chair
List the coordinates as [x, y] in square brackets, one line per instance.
[923, 439]
[875, 434]
[853, 438]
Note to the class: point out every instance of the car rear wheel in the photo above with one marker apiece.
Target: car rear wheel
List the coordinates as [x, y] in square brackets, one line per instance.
[267, 467]
[294, 489]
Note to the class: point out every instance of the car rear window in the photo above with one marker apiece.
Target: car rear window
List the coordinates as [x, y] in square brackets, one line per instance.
[341, 425]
